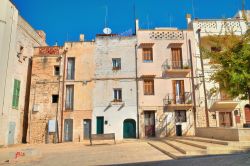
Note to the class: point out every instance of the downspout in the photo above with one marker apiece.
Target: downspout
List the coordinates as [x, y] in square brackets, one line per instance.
[56, 139]
[137, 92]
[192, 79]
[203, 77]
[62, 99]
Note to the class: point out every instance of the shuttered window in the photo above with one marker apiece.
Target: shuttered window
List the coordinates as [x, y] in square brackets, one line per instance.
[147, 54]
[177, 58]
[69, 105]
[149, 87]
[71, 69]
[16, 93]
[117, 95]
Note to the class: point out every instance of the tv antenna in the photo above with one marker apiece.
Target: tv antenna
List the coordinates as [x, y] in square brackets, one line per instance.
[106, 30]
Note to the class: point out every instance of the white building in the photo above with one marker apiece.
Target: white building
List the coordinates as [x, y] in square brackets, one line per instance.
[114, 94]
[222, 111]
[17, 39]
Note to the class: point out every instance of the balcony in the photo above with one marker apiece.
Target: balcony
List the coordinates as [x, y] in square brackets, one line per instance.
[176, 67]
[179, 101]
[222, 103]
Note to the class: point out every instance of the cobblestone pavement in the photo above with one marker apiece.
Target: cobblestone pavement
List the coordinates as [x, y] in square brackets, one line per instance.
[125, 153]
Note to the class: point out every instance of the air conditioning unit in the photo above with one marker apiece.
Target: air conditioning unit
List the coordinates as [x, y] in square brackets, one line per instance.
[36, 108]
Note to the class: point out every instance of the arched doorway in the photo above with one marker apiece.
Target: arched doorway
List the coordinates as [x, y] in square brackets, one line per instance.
[129, 128]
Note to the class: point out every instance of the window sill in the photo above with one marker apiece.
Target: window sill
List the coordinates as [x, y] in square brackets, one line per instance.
[149, 94]
[67, 110]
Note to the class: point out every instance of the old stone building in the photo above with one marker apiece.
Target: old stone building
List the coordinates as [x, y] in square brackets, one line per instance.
[61, 91]
[165, 59]
[17, 39]
[115, 92]
[222, 110]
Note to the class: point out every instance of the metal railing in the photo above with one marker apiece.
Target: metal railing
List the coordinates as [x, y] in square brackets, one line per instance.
[169, 64]
[186, 98]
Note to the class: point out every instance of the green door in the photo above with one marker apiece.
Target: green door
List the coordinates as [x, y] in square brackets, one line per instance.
[129, 128]
[100, 125]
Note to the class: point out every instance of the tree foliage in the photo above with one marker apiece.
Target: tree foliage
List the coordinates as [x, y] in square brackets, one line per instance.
[230, 59]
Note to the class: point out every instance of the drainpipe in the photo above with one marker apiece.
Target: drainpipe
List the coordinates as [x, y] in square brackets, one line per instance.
[56, 140]
[62, 99]
[192, 79]
[137, 93]
[203, 77]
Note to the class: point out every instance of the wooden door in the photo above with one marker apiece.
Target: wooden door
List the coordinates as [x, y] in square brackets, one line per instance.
[177, 58]
[225, 119]
[68, 130]
[100, 125]
[86, 128]
[149, 121]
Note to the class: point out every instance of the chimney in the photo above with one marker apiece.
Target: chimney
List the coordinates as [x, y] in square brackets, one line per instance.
[136, 25]
[82, 37]
[42, 34]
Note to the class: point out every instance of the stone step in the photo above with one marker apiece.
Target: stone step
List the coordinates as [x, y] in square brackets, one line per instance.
[166, 149]
[190, 143]
[207, 140]
[187, 149]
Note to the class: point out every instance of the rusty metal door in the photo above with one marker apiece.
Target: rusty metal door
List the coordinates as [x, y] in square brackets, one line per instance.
[225, 119]
[149, 121]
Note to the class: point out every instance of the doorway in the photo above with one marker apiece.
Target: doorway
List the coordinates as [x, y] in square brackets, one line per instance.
[11, 134]
[68, 130]
[225, 119]
[149, 120]
[129, 128]
[99, 125]
[86, 128]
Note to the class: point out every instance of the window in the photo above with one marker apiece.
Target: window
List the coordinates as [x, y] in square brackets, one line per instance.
[179, 92]
[56, 70]
[20, 54]
[71, 69]
[55, 98]
[69, 105]
[149, 87]
[116, 63]
[147, 54]
[177, 58]
[117, 95]
[180, 116]
[16, 93]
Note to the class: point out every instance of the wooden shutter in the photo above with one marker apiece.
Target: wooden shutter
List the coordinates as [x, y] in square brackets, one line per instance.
[148, 87]
[16, 92]
[176, 58]
[174, 91]
[182, 91]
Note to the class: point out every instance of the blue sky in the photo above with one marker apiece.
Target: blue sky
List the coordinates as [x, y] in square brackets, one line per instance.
[64, 20]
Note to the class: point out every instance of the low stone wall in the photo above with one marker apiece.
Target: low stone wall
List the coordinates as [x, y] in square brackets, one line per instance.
[227, 134]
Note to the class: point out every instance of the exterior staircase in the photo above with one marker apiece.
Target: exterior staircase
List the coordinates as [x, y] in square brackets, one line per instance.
[183, 147]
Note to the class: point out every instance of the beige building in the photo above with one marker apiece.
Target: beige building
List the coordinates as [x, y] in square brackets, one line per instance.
[17, 39]
[164, 58]
[61, 91]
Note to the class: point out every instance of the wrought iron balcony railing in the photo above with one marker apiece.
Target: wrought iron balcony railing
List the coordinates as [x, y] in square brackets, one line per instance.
[176, 65]
[173, 99]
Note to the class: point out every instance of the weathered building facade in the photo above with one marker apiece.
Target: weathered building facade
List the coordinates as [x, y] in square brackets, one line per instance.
[222, 110]
[165, 60]
[61, 91]
[115, 91]
[17, 39]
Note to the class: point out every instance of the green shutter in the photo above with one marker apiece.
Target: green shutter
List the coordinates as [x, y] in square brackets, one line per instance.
[16, 92]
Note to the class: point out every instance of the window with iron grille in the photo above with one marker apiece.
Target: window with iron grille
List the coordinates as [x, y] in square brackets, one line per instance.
[69, 105]
[180, 116]
[116, 62]
[147, 54]
[117, 95]
[149, 87]
[71, 69]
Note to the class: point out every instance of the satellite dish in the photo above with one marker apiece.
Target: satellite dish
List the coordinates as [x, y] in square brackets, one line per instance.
[107, 31]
